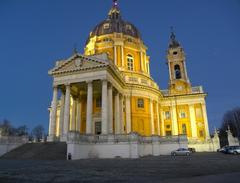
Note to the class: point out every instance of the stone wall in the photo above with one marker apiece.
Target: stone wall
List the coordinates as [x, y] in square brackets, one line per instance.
[209, 145]
[8, 143]
[124, 146]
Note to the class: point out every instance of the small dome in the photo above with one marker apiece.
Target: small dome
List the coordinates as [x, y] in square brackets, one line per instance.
[114, 23]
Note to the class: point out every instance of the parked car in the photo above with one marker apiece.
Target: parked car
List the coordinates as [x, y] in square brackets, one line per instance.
[233, 150]
[223, 149]
[181, 152]
[192, 150]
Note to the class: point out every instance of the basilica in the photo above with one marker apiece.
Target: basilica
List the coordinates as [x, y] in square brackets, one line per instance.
[107, 94]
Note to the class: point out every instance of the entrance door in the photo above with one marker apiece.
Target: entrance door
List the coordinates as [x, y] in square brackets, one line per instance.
[98, 127]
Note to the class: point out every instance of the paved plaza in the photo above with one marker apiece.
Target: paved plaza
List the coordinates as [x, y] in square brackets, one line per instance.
[200, 167]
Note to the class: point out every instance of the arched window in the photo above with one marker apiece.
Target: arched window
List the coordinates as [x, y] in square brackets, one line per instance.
[177, 72]
[130, 62]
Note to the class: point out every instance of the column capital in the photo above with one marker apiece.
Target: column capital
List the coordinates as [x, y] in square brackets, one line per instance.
[55, 86]
[127, 96]
[67, 84]
[104, 80]
[89, 81]
[116, 93]
[110, 86]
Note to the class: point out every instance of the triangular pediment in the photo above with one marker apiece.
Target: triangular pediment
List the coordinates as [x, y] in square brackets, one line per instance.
[78, 62]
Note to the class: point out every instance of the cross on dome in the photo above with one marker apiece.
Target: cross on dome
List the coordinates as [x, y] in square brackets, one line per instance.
[115, 2]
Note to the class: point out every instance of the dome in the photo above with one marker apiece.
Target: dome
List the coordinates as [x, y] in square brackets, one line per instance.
[115, 23]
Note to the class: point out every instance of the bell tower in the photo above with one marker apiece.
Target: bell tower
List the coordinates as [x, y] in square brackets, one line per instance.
[178, 79]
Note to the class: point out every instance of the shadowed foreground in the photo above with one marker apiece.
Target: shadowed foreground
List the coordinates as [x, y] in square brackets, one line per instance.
[38, 151]
[200, 167]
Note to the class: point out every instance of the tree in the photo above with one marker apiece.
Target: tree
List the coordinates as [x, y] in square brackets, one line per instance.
[22, 130]
[231, 119]
[38, 132]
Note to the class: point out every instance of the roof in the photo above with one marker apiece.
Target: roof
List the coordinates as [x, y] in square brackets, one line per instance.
[114, 23]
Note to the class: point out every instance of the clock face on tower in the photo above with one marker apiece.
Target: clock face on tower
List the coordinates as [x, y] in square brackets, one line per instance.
[179, 88]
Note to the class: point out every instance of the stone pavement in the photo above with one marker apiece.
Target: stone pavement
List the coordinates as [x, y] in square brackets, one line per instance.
[200, 167]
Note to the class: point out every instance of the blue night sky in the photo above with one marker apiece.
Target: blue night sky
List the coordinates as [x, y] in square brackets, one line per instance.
[34, 34]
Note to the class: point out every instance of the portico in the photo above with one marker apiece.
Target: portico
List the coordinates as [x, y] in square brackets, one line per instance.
[90, 106]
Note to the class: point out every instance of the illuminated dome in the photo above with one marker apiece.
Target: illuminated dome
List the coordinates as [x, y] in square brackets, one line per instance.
[115, 24]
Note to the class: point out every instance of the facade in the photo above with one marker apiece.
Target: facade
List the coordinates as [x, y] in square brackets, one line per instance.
[109, 90]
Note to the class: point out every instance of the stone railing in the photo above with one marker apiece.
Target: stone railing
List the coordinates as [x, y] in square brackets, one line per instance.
[76, 137]
[195, 90]
[141, 81]
[13, 140]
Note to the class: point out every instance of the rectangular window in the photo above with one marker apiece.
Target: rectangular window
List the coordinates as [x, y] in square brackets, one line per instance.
[140, 103]
[168, 133]
[201, 133]
[198, 112]
[182, 114]
[98, 102]
[130, 63]
[106, 26]
[98, 128]
[167, 115]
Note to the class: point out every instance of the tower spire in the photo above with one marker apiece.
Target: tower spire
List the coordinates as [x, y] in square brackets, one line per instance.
[172, 36]
[173, 42]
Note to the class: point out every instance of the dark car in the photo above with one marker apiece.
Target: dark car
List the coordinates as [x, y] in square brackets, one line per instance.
[192, 150]
[181, 152]
[233, 150]
[223, 149]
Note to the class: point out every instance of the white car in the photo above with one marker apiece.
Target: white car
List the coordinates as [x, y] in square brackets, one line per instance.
[181, 152]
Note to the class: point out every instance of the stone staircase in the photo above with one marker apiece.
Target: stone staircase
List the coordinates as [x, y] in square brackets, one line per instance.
[39, 151]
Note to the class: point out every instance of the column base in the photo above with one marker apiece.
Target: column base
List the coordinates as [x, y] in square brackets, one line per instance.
[51, 138]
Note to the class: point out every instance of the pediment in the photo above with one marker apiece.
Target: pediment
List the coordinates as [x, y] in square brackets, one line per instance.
[78, 62]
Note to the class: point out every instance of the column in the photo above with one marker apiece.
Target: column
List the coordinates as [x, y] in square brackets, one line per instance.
[121, 122]
[61, 121]
[122, 51]
[104, 107]
[169, 70]
[141, 60]
[205, 120]
[162, 123]
[73, 122]
[110, 110]
[117, 114]
[185, 70]
[79, 114]
[174, 120]
[128, 114]
[152, 118]
[193, 121]
[115, 55]
[52, 125]
[66, 111]
[145, 61]
[158, 121]
[89, 107]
